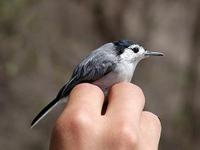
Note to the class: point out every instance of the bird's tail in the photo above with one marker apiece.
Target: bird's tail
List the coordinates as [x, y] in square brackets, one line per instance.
[44, 111]
[64, 92]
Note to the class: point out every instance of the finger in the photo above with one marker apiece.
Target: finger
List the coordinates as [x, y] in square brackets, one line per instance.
[150, 130]
[85, 97]
[126, 102]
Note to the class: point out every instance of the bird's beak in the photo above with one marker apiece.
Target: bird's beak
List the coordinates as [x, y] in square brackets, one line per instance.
[150, 53]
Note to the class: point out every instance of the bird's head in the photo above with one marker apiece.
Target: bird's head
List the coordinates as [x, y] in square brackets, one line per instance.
[130, 51]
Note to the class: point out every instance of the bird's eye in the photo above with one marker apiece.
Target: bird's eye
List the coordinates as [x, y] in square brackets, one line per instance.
[135, 49]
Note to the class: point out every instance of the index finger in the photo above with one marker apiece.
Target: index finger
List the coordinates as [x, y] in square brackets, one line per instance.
[85, 97]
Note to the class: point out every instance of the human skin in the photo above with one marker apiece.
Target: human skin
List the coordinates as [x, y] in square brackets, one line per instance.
[124, 126]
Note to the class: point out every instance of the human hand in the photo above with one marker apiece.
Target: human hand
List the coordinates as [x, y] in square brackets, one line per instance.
[124, 126]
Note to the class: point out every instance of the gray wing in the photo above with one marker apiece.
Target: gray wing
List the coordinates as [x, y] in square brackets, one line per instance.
[89, 70]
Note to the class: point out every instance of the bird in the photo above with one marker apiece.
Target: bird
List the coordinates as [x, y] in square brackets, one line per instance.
[105, 66]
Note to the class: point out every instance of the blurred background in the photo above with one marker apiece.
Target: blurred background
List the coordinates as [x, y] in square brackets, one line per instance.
[42, 40]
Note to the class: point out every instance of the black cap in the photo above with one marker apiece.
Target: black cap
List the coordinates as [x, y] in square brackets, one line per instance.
[121, 45]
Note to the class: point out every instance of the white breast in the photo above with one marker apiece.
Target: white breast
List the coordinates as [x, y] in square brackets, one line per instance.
[123, 72]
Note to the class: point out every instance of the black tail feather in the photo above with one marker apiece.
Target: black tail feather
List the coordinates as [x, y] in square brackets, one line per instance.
[64, 92]
[44, 111]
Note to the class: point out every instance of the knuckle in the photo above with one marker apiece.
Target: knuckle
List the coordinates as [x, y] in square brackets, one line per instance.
[76, 123]
[126, 136]
[80, 120]
[59, 127]
[153, 120]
